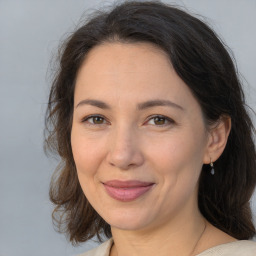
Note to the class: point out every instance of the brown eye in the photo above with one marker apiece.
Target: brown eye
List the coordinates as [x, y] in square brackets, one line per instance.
[97, 120]
[159, 120]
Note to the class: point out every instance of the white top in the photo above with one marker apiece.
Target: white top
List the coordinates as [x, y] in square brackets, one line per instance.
[238, 248]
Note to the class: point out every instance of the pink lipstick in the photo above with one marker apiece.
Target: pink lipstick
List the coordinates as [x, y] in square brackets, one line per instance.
[127, 190]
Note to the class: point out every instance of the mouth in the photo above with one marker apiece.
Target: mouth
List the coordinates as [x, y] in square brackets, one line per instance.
[126, 191]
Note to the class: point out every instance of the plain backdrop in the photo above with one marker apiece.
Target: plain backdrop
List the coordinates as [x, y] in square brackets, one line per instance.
[30, 31]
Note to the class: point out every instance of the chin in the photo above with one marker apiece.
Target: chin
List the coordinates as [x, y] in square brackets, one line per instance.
[127, 219]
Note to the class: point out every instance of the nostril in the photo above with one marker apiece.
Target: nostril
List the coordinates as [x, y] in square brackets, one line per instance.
[126, 158]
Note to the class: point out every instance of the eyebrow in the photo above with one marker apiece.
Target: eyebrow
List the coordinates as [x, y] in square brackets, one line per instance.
[95, 103]
[140, 106]
[156, 103]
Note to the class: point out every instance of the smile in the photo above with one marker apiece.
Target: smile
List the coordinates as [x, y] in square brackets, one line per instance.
[126, 191]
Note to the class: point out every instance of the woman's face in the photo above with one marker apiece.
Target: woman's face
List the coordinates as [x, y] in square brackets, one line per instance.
[138, 137]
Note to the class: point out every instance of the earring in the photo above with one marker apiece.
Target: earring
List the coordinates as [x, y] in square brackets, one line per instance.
[212, 168]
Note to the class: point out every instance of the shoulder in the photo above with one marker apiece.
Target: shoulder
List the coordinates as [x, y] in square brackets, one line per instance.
[101, 250]
[238, 248]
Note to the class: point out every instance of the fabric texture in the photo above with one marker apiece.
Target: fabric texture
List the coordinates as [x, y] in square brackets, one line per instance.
[102, 250]
[238, 248]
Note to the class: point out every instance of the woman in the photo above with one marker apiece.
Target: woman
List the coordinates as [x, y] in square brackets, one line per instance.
[148, 116]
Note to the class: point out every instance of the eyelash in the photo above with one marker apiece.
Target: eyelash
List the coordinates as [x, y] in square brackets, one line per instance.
[169, 120]
[165, 118]
[92, 117]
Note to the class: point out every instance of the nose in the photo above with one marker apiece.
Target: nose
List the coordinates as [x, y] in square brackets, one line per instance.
[125, 150]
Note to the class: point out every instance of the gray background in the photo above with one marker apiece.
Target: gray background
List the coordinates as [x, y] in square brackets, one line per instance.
[30, 31]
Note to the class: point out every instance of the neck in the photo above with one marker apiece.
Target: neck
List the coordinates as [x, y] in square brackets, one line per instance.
[180, 236]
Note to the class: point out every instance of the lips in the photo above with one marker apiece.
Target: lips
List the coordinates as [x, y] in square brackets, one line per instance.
[126, 191]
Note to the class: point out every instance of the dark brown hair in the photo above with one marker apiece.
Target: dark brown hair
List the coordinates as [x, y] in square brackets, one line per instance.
[202, 62]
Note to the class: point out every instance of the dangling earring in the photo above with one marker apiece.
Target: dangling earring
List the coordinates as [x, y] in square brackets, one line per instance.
[212, 168]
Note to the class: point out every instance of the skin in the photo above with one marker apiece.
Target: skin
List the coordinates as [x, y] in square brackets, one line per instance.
[166, 145]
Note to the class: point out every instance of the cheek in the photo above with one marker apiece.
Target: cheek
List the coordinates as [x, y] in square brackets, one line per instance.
[88, 155]
[178, 154]
[178, 163]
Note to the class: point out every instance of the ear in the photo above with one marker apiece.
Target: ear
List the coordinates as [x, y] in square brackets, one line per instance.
[217, 139]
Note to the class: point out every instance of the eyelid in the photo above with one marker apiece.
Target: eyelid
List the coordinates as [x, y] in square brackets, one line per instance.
[170, 120]
[84, 119]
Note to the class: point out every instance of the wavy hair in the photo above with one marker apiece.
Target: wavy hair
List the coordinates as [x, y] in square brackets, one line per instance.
[202, 61]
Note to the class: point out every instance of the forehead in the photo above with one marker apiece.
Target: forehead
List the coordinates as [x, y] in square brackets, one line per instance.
[125, 57]
[137, 71]
[117, 60]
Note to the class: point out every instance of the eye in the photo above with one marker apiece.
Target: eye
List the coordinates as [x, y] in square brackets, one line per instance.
[95, 120]
[160, 120]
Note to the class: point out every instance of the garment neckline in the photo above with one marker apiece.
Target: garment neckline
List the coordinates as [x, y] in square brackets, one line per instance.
[110, 243]
[220, 246]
